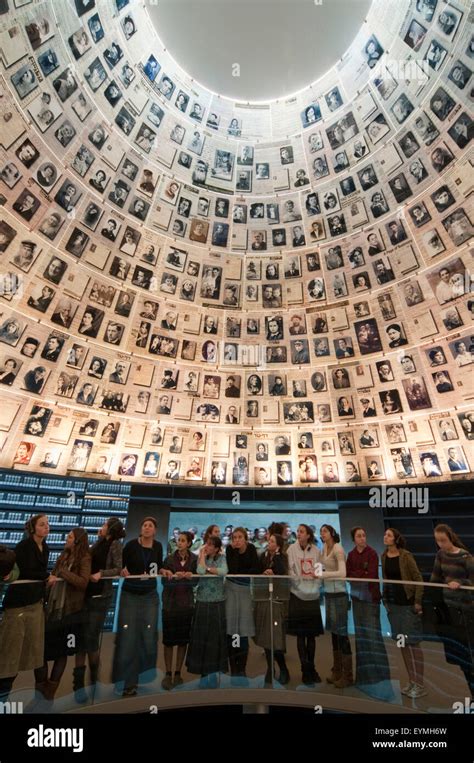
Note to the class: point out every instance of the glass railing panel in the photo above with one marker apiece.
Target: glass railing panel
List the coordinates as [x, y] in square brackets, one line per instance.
[354, 645]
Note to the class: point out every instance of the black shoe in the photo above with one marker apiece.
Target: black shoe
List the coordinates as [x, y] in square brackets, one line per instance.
[284, 676]
[80, 694]
[316, 677]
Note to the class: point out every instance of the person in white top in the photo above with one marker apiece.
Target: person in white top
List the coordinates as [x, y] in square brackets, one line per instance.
[304, 563]
[337, 606]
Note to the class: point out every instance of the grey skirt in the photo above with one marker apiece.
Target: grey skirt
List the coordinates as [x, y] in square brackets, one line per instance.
[21, 639]
[239, 610]
[404, 621]
[270, 624]
[337, 607]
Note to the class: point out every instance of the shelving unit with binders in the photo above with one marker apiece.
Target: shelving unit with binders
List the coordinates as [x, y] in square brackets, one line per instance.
[67, 502]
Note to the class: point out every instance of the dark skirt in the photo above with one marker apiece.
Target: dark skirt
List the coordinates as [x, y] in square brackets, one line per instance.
[371, 656]
[304, 617]
[177, 626]
[94, 613]
[136, 645]
[404, 620]
[207, 651]
[64, 638]
[337, 607]
[268, 620]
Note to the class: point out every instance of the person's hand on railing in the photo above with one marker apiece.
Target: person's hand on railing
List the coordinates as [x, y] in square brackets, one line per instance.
[165, 573]
[125, 573]
[454, 584]
[52, 580]
[95, 577]
[268, 572]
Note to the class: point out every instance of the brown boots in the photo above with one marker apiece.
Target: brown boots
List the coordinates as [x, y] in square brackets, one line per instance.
[346, 678]
[336, 670]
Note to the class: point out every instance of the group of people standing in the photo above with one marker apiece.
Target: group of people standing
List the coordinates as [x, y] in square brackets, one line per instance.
[211, 608]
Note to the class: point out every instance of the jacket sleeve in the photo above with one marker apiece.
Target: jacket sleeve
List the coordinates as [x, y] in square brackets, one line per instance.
[416, 576]
[115, 557]
[27, 563]
[255, 568]
[292, 565]
[350, 568]
[79, 579]
[13, 574]
[280, 565]
[373, 568]
[126, 554]
[160, 555]
[229, 557]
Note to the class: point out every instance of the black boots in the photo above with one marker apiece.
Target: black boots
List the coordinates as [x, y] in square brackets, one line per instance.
[284, 677]
[269, 674]
[78, 678]
[279, 657]
[309, 674]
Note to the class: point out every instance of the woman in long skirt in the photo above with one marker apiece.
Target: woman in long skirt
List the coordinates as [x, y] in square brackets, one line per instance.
[454, 566]
[207, 652]
[136, 648]
[337, 606]
[69, 578]
[372, 664]
[178, 606]
[271, 615]
[241, 558]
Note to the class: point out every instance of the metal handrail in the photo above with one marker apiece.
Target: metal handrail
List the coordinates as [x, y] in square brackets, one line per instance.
[261, 576]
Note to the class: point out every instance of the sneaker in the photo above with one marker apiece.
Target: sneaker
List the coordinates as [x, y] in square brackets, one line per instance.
[417, 691]
[167, 682]
[407, 689]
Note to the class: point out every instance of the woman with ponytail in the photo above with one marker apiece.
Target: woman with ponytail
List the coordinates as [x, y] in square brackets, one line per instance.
[403, 602]
[337, 607]
[454, 566]
[106, 562]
